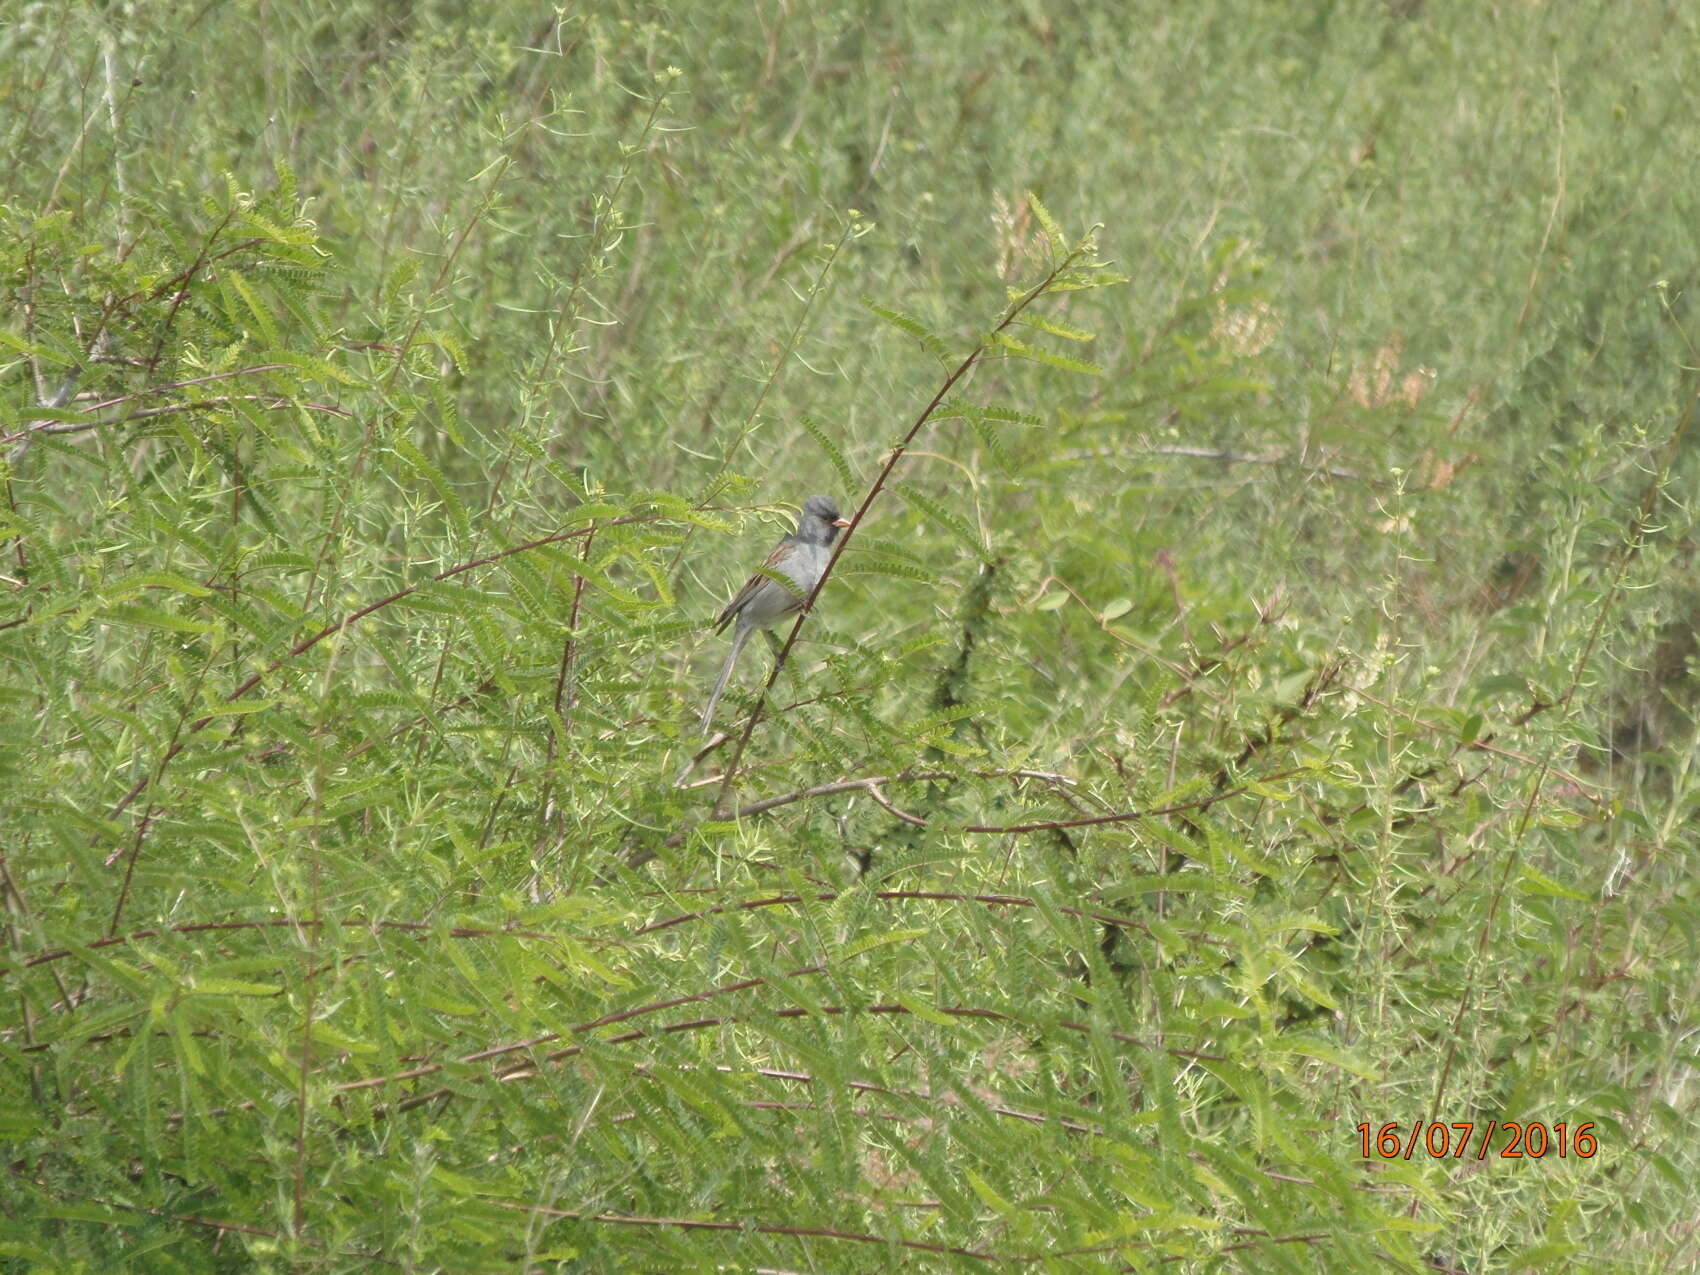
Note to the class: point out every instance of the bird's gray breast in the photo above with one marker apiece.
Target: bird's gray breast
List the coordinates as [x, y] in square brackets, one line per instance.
[806, 565]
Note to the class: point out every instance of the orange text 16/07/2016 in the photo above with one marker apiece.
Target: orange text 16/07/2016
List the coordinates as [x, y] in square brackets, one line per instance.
[1438, 1139]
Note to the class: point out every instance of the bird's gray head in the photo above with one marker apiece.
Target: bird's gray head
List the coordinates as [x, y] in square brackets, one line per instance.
[821, 519]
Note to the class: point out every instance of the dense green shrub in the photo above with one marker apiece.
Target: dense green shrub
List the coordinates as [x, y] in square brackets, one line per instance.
[1256, 700]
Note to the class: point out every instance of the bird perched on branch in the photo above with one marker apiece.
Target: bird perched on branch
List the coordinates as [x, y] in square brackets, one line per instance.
[781, 585]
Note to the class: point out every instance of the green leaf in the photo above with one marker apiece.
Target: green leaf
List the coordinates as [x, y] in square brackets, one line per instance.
[1006, 342]
[946, 518]
[925, 1011]
[1542, 1257]
[450, 344]
[1537, 882]
[151, 618]
[998, 412]
[233, 987]
[988, 1196]
[1308, 987]
[257, 308]
[406, 450]
[1051, 326]
[932, 343]
[236, 708]
[825, 443]
[1085, 280]
[1323, 1051]
[167, 580]
[1471, 730]
[1047, 223]
[881, 940]
[866, 564]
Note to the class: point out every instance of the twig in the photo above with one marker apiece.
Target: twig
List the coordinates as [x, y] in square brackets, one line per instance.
[875, 781]
[933, 896]
[878, 794]
[744, 1227]
[357, 467]
[873, 493]
[1049, 825]
[1626, 554]
[274, 402]
[1122, 816]
[779, 362]
[338, 626]
[528, 1069]
[220, 1225]
[868, 1087]
[277, 923]
[1252, 458]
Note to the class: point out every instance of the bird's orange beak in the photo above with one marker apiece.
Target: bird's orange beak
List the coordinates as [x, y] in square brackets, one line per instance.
[840, 522]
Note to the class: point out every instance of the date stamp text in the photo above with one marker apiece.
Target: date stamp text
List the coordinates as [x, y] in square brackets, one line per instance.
[1439, 1140]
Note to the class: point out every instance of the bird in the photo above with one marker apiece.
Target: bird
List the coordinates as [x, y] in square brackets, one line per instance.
[801, 558]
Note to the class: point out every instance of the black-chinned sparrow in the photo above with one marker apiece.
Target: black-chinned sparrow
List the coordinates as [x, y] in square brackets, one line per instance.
[763, 601]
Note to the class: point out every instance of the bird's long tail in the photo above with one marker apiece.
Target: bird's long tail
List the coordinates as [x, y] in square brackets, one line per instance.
[740, 635]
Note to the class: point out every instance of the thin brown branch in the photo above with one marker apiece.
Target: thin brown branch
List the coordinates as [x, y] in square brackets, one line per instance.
[1204, 665]
[915, 1095]
[566, 683]
[875, 781]
[743, 1227]
[334, 530]
[937, 896]
[1260, 1239]
[880, 799]
[873, 493]
[179, 292]
[274, 402]
[1049, 825]
[306, 644]
[275, 923]
[1123, 816]
[221, 1225]
[1626, 554]
[1268, 458]
[528, 1068]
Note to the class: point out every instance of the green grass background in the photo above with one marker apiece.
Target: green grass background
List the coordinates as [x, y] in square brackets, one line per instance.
[1362, 542]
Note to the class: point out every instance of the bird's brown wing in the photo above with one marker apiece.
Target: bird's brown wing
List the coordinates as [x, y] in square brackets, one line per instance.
[755, 582]
[738, 600]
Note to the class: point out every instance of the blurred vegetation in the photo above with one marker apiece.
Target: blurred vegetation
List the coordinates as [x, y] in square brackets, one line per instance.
[1261, 702]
